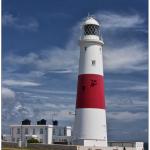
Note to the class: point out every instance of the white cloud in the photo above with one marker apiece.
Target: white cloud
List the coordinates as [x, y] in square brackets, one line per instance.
[7, 93]
[19, 23]
[54, 60]
[39, 97]
[19, 83]
[128, 58]
[57, 92]
[127, 116]
[65, 71]
[8, 19]
[127, 85]
[28, 59]
[140, 88]
[111, 20]
[58, 59]
[20, 110]
[126, 101]
[122, 57]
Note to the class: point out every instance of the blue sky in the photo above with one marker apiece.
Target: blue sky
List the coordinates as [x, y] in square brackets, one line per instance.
[40, 62]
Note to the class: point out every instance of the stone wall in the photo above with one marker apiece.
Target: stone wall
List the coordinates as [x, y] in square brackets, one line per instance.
[63, 147]
[73, 147]
[105, 148]
[51, 147]
[9, 144]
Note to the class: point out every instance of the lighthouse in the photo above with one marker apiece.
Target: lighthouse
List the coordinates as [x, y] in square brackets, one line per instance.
[90, 116]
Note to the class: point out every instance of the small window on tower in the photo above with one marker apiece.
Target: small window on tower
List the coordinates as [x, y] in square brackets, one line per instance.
[93, 62]
[100, 50]
[85, 48]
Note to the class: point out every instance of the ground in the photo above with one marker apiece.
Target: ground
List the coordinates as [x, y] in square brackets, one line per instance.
[15, 149]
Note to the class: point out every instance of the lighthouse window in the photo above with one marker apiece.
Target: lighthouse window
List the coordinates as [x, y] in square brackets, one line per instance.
[100, 50]
[85, 48]
[93, 62]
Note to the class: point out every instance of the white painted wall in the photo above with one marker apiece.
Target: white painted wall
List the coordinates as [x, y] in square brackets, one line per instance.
[47, 136]
[88, 53]
[23, 136]
[104, 148]
[90, 124]
[69, 129]
[139, 145]
[6, 137]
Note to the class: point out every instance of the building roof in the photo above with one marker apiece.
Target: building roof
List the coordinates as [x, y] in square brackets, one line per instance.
[48, 125]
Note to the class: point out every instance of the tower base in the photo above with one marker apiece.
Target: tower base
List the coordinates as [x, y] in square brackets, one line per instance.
[90, 142]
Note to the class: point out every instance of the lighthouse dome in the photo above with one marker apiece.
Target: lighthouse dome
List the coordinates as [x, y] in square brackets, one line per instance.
[91, 27]
[91, 20]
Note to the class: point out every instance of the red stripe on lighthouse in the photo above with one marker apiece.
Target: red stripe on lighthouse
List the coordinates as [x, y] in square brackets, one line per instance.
[90, 92]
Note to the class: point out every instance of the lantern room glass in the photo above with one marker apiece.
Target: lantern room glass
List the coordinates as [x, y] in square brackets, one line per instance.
[91, 29]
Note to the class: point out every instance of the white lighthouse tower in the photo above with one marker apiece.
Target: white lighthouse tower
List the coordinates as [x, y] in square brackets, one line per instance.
[90, 117]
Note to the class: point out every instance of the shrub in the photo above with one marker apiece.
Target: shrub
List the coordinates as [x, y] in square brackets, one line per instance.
[32, 140]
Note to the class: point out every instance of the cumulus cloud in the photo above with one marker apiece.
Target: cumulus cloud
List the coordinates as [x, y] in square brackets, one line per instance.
[123, 57]
[128, 58]
[111, 20]
[19, 83]
[7, 93]
[55, 60]
[19, 23]
[22, 111]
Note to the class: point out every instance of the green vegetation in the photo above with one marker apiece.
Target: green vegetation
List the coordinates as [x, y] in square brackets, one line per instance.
[32, 140]
[15, 149]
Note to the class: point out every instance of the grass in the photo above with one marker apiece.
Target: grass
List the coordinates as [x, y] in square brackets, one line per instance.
[15, 149]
